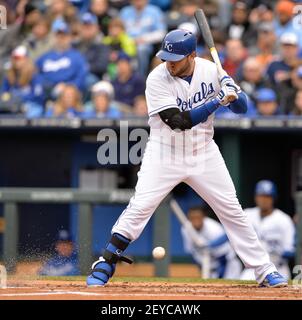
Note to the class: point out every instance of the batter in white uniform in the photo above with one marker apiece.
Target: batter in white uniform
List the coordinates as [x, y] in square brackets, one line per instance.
[182, 95]
[274, 228]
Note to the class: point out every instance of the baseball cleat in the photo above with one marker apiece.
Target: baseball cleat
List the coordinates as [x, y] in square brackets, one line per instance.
[274, 280]
[104, 268]
[101, 272]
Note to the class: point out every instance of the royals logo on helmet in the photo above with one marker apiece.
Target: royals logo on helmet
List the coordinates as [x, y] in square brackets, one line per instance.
[168, 46]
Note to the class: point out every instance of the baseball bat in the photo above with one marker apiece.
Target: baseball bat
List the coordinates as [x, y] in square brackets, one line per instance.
[196, 238]
[208, 38]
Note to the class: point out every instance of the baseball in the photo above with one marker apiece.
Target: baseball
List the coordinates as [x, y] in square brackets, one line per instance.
[158, 253]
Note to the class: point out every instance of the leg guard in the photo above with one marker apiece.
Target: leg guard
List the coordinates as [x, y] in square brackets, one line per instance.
[104, 268]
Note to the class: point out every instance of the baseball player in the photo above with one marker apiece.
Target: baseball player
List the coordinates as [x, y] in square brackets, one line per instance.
[274, 228]
[223, 260]
[182, 95]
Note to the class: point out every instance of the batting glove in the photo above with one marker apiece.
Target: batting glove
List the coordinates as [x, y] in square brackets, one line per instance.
[224, 93]
[229, 82]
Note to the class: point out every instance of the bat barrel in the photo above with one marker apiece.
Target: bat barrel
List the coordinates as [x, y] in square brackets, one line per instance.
[204, 27]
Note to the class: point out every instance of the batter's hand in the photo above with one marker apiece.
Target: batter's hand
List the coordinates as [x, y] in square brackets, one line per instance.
[229, 82]
[224, 93]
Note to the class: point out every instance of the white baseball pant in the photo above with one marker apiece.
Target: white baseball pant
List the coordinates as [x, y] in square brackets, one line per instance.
[213, 184]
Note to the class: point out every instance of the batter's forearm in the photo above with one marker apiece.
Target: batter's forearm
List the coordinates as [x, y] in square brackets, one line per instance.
[240, 104]
[185, 120]
[201, 114]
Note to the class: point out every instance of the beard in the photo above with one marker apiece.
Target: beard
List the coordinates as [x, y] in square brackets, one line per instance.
[181, 72]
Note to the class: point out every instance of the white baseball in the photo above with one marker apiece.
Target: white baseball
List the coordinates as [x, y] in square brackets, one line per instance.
[158, 253]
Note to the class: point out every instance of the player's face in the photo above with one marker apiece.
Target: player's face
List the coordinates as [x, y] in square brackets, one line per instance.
[265, 203]
[64, 248]
[196, 217]
[181, 68]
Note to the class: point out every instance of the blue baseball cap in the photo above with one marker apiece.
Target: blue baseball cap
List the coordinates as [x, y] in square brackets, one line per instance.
[123, 56]
[64, 235]
[266, 188]
[89, 18]
[60, 25]
[266, 95]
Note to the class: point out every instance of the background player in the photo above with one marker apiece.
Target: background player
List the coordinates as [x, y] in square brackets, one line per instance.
[223, 260]
[182, 95]
[274, 228]
[65, 261]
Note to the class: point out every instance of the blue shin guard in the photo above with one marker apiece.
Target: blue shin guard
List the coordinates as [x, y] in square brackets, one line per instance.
[104, 268]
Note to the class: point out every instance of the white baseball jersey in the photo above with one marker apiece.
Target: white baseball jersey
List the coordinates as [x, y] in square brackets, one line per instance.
[276, 233]
[210, 231]
[164, 91]
[207, 173]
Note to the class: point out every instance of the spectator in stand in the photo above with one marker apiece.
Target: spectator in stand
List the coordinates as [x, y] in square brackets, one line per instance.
[182, 11]
[128, 83]
[67, 105]
[146, 25]
[22, 82]
[284, 22]
[279, 70]
[262, 14]
[65, 261]
[239, 26]
[140, 108]
[75, 30]
[289, 88]
[297, 109]
[104, 14]
[62, 65]
[265, 49]
[61, 9]
[40, 40]
[102, 105]
[30, 14]
[252, 77]
[118, 40]
[91, 47]
[16, 32]
[266, 103]
[11, 12]
[236, 53]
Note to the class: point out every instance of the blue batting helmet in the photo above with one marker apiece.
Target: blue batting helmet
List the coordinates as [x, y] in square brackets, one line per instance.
[266, 187]
[176, 45]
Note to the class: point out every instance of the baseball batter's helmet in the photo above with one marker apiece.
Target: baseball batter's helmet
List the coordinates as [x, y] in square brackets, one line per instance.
[176, 45]
[266, 187]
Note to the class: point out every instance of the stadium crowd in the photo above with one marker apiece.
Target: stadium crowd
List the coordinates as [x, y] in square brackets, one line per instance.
[90, 58]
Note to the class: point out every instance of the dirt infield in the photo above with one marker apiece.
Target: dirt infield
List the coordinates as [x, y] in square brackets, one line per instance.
[122, 289]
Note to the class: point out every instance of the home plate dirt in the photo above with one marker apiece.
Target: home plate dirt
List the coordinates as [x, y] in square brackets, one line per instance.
[136, 290]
